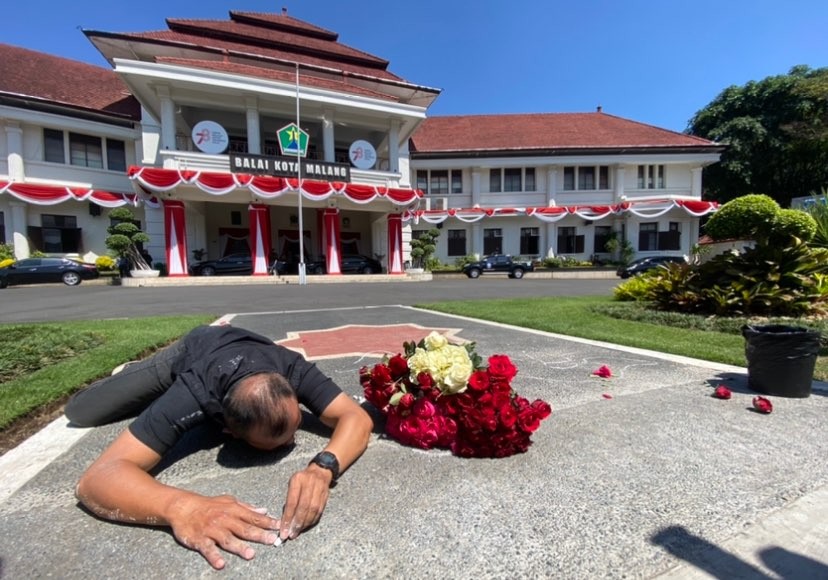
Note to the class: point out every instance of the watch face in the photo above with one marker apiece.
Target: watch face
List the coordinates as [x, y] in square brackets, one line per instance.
[328, 460]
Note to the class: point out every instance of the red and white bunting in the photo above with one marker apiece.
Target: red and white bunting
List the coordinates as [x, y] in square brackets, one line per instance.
[38, 194]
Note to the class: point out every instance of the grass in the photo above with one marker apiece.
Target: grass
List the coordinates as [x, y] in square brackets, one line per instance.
[623, 323]
[43, 363]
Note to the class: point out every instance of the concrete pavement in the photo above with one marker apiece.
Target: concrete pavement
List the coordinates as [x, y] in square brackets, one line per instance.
[660, 480]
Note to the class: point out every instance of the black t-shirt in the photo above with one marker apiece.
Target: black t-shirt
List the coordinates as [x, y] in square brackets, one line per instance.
[213, 359]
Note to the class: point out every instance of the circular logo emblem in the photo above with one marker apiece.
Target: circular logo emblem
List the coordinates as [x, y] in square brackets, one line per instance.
[210, 137]
[362, 154]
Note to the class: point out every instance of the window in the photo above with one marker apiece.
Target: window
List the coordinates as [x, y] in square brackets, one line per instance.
[529, 241]
[648, 237]
[587, 178]
[569, 242]
[457, 242]
[53, 151]
[671, 239]
[57, 234]
[235, 218]
[84, 150]
[492, 241]
[440, 181]
[602, 236]
[512, 179]
[651, 177]
[115, 155]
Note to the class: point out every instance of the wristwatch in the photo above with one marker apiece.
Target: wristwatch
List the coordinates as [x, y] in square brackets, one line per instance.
[327, 460]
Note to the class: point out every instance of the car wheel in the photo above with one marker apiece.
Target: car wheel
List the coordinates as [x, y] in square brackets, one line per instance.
[518, 273]
[71, 278]
[317, 270]
[367, 270]
[474, 273]
[208, 271]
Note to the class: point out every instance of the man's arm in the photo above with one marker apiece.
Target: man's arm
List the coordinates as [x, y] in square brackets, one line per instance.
[117, 486]
[308, 489]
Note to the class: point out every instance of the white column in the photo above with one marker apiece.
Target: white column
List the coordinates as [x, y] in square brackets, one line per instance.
[167, 118]
[477, 175]
[18, 224]
[620, 176]
[477, 240]
[14, 146]
[550, 240]
[696, 182]
[551, 185]
[328, 142]
[254, 131]
[394, 146]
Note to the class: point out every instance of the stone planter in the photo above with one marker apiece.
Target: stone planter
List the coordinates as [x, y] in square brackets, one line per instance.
[144, 273]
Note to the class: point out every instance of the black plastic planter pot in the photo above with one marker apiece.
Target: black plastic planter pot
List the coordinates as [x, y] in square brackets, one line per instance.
[781, 359]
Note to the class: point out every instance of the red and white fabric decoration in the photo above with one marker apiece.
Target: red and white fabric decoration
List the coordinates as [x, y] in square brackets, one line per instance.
[175, 232]
[331, 224]
[395, 256]
[54, 194]
[161, 180]
[260, 237]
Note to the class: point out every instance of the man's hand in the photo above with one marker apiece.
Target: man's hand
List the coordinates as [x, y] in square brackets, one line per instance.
[306, 499]
[205, 524]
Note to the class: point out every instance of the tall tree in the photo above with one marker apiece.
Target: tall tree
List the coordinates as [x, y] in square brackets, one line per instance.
[776, 130]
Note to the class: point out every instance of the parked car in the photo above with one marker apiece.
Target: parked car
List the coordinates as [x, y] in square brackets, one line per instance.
[312, 266]
[643, 264]
[356, 264]
[44, 270]
[498, 263]
[238, 264]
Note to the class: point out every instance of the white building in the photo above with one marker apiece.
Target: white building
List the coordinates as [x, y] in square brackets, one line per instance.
[192, 125]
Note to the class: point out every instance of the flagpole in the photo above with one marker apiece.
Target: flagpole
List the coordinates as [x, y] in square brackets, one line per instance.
[302, 274]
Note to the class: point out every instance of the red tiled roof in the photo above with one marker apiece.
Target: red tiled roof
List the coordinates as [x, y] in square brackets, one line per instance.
[542, 131]
[27, 73]
[335, 84]
[283, 21]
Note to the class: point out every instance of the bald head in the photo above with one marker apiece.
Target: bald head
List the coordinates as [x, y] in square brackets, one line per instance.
[262, 409]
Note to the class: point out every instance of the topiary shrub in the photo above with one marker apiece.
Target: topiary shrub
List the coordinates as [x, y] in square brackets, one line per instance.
[124, 237]
[6, 252]
[748, 217]
[793, 223]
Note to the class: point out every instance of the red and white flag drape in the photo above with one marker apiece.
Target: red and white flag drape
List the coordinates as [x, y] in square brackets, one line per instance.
[175, 232]
[260, 237]
[331, 225]
[395, 256]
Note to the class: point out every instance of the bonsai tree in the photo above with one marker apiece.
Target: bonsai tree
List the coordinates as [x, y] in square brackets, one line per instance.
[124, 237]
[423, 248]
[760, 218]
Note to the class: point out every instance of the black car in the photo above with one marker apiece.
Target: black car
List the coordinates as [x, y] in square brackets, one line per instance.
[648, 263]
[312, 266]
[44, 270]
[356, 264]
[240, 264]
[498, 264]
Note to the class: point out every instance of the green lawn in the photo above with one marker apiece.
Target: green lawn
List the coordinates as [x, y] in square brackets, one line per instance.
[42, 363]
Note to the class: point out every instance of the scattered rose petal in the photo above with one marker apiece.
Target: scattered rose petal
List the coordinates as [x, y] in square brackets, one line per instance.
[722, 392]
[607, 396]
[762, 405]
[604, 372]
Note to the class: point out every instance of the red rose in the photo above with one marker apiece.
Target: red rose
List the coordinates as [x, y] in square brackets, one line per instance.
[424, 409]
[501, 366]
[398, 366]
[722, 392]
[603, 371]
[406, 401]
[528, 421]
[762, 405]
[479, 381]
[542, 409]
[425, 381]
[508, 416]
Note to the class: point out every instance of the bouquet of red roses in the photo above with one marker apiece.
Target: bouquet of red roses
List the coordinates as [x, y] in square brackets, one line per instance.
[439, 394]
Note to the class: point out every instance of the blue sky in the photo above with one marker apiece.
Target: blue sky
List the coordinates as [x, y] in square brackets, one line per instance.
[654, 61]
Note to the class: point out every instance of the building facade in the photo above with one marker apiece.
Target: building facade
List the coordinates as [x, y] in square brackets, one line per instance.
[264, 134]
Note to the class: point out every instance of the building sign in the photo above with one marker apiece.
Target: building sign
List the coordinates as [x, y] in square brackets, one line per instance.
[210, 137]
[288, 167]
[362, 154]
[293, 140]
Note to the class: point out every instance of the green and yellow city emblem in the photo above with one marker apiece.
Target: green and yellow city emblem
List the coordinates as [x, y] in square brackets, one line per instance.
[293, 140]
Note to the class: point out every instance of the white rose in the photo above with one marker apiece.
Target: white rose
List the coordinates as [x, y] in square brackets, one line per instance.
[435, 341]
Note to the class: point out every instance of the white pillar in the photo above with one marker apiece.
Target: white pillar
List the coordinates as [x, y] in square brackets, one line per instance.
[550, 240]
[328, 142]
[394, 146]
[167, 118]
[254, 132]
[620, 176]
[477, 174]
[696, 182]
[18, 224]
[551, 185]
[14, 146]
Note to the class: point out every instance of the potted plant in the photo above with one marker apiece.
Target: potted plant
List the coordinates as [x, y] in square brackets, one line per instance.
[422, 248]
[124, 237]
